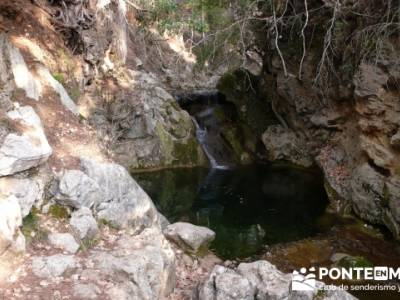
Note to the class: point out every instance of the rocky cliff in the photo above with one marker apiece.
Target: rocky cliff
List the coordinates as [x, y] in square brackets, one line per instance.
[341, 115]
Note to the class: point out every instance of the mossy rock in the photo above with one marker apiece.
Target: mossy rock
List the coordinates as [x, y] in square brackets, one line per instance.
[31, 229]
[58, 211]
[348, 262]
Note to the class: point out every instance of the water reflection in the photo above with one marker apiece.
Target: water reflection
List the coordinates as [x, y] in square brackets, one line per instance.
[247, 207]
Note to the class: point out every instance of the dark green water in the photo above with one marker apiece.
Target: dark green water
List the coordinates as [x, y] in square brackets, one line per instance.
[247, 207]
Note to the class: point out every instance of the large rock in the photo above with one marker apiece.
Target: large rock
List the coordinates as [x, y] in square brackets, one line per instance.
[27, 191]
[26, 148]
[84, 224]
[50, 81]
[10, 222]
[224, 283]
[284, 144]
[269, 281]
[23, 78]
[53, 266]
[124, 203]
[143, 267]
[64, 241]
[260, 280]
[190, 237]
[77, 190]
[152, 130]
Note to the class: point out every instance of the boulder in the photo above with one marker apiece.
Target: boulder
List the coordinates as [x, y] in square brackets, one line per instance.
[84, 224]
[26, 148]
[260, 280]
[77, 190]
[269, 281]
[224, 283]
[284, 144]
[190, 237]
[10, 222]
[142, 267]
[53, 266]
[153, 131]
[64, 241]
[124, 203]
[27, 192]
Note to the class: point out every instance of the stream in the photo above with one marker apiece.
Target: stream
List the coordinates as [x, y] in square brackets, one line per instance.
[248, 207]
[274, 212]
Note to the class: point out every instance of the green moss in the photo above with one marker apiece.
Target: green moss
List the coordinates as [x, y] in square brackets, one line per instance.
[320, 294]
[59, 77]
[58, 211]
[107, 223]
[87, 244]
[354, 262]
[31, 229]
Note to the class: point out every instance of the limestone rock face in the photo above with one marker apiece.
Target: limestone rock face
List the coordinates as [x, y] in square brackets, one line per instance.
[64, 241]
[284, 144]
[188, 236]
[23, 78]
[10, 222]
[152, 130]
[78, 190]
[26, 148]
[84, 224]
[53, 266]
[124, 203]
[27, 192]
[143, 266]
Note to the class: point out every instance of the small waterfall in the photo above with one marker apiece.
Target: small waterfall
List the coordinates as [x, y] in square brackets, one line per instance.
[205, 110]
[201, 135]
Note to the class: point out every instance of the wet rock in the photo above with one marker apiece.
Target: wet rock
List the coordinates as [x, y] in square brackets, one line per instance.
[84, 224]
[224, 284]
[64, 241]
[78, 190]
[124, 203]
[192, 238]
[284, 144]
[10, 222]
[86, 291]
[26, 148]
[53, 266]
[143, 266]
[27, 192]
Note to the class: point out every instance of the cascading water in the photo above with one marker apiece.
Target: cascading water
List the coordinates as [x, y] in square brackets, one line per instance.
[202, 108]
[201, 135]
